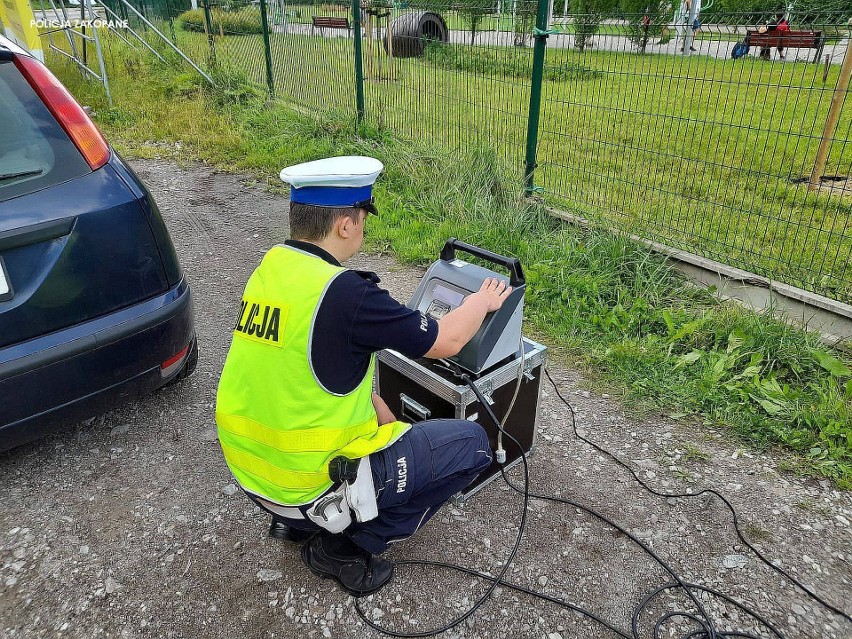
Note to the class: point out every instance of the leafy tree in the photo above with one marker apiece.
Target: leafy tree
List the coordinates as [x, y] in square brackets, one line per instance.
[473, 12]
[748, 12]
[827, 12]
[525, 15]
[588, 15]
[646, 20]
[233, 5]
[750, 6]
[803, 12]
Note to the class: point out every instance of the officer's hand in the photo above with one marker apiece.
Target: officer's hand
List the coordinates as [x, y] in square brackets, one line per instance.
[494, 292]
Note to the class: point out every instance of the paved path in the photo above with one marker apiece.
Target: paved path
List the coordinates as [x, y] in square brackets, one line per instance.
[716, 48]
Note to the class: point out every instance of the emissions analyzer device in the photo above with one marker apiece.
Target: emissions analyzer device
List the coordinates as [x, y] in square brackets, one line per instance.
[505, 366]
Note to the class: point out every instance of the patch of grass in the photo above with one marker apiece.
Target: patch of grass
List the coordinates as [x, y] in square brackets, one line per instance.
[243, 21]
[612, 306]
[154, 107]
[811, 506]
[691, 453]
[505, 62]
[756, 533]
[683, 475]
[677, 459]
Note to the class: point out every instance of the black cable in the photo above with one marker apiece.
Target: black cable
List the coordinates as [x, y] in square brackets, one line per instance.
[495, 582]
[710, 491]
[706, 630]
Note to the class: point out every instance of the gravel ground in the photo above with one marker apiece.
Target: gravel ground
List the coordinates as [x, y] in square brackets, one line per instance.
[129, 525]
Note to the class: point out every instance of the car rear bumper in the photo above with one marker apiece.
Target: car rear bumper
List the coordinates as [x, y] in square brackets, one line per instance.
[88, 368]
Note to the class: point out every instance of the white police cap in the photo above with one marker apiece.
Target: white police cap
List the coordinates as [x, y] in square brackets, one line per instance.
[336, 182]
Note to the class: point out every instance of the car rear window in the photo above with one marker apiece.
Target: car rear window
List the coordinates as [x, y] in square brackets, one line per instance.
[35, 151]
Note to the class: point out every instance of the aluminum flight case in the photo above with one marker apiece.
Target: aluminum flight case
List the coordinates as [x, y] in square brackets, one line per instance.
[416, 390]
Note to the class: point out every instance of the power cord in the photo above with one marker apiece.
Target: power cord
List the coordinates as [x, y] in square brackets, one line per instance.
[708, 491]
[494, 581]
[500, 452]
[453, 368]
[707, 630]
[706, 626]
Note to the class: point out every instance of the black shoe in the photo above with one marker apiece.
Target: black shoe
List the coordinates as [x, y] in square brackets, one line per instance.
[335, 557]
[693, 49]
[280, 530]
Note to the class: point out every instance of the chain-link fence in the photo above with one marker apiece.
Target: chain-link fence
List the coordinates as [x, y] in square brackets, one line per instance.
[674, 139]
[723, 134]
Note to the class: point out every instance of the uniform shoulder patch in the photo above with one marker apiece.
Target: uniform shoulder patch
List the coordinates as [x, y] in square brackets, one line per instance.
[262, 321]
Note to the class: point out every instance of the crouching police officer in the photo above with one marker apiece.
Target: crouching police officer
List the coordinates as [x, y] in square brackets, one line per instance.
[299, 425]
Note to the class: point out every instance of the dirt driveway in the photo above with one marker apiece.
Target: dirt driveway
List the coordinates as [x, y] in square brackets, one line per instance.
[129, 525]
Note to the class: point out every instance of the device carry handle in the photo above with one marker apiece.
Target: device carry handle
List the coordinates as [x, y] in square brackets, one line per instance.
[516, 272]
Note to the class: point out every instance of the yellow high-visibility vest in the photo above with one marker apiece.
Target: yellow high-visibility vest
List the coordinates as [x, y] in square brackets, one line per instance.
[278, 426]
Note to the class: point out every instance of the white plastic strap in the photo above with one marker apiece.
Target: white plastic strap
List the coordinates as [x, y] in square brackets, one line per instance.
[331, 511]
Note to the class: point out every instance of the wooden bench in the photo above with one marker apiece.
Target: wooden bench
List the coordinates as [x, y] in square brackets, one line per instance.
[788, 40]
[330, 22]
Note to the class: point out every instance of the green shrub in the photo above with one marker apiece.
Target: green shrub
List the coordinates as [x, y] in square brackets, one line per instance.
[233, 87]
[647, 20]
[240, 22]
[588, 15]
[510, 63]
[525, 15]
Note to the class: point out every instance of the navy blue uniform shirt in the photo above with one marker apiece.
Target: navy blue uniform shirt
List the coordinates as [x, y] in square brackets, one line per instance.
[355, 319]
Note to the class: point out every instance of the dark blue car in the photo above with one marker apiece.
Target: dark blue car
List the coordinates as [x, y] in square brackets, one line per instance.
[94, 308]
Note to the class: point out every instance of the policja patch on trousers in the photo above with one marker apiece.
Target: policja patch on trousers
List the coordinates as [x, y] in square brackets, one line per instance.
[417, 474]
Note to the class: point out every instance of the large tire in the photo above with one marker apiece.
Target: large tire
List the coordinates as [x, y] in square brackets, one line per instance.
[411, 31]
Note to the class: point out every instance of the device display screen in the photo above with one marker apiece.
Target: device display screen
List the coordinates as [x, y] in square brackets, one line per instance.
[453, 298]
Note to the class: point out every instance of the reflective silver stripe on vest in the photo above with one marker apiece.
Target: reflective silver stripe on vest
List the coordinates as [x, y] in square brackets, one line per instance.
[284, 511]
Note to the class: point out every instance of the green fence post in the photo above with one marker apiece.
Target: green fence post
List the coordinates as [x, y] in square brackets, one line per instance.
[171, 14]
[264, 23]
[211, 61]
[359, 71]
[540, 35]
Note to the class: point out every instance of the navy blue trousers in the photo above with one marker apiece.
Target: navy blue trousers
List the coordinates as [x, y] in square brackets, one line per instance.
[415, 476]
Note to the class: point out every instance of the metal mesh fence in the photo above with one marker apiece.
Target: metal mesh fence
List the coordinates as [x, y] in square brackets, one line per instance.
[437, 79]
[217, 36]
[313, 56]
[704, 152]
[696, 131]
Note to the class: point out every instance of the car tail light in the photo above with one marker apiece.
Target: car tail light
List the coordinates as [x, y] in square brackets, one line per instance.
[174, 362]
[70, 115]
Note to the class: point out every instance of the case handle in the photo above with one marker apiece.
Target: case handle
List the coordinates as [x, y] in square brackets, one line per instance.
[516, 272]
[413, 410]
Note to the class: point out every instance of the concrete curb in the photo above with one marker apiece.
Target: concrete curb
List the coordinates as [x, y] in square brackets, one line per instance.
[810, 311]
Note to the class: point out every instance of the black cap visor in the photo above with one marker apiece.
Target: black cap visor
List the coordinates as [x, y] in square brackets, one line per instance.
[367, 205]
